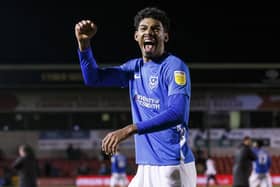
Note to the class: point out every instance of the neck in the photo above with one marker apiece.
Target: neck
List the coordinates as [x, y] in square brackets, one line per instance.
[157, 58]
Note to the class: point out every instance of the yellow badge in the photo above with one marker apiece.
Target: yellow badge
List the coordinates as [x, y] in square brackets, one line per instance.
[180, 77]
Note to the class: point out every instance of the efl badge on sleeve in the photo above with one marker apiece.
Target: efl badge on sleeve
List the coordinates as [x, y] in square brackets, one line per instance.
[180, 77]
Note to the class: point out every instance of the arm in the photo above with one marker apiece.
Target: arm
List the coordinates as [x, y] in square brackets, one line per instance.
[174, 115]
[84, 31]
[92, 75]
[251, 154]
[17, 164]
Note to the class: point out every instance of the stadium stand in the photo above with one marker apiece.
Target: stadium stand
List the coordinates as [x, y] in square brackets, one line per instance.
[68, 168]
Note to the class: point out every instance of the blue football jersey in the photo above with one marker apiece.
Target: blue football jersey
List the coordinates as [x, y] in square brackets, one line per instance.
[118, 163]
[263, 162]
[150, 85]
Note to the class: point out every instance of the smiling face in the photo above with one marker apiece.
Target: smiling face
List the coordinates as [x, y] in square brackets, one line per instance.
[151, 38]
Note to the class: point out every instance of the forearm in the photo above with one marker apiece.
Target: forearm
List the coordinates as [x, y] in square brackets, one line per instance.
[84, 44]
[174, 115]
[130, 130]
[17, 163]
[112, 139]
[95, 76]
[88, 66]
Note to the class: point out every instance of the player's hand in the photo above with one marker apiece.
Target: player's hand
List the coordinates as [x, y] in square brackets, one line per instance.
[84, 31]
[111, 141]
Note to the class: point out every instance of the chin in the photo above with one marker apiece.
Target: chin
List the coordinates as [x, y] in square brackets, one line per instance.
[149, 54]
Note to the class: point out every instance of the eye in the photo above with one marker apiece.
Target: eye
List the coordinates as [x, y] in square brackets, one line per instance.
[142, 29]
[156, 29]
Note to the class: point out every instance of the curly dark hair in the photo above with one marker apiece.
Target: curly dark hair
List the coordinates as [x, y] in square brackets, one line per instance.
[155, 13]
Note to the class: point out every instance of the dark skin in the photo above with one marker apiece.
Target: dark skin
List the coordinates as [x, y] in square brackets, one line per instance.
[151, 37]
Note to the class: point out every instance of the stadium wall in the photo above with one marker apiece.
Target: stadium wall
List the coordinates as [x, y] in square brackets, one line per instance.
[52, 144]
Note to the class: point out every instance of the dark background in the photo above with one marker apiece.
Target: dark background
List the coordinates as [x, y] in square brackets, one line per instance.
[35, 32]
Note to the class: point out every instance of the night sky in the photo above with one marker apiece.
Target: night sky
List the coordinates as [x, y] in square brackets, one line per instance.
[35, 32]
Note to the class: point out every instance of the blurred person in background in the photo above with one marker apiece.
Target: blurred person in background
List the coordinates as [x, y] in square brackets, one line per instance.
[200, 161]
[27, 167]
[103, 169]
[243, 163]
[260, 175]
[211, 171]
[83, 168]
[70, 152]
[47, 167]
[118, 170]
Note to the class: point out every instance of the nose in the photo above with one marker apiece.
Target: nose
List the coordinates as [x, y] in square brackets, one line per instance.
[149, 31]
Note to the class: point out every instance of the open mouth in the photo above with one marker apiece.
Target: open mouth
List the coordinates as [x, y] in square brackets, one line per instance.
[149, 45]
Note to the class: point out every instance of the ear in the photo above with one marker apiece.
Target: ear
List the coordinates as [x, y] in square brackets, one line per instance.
[166, 37]
[136, 36]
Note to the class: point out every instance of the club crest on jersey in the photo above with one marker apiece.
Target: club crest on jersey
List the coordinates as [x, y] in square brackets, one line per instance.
[180, 77]
[153, 81]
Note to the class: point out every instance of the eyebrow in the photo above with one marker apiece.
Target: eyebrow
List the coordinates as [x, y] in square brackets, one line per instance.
[145, 25]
